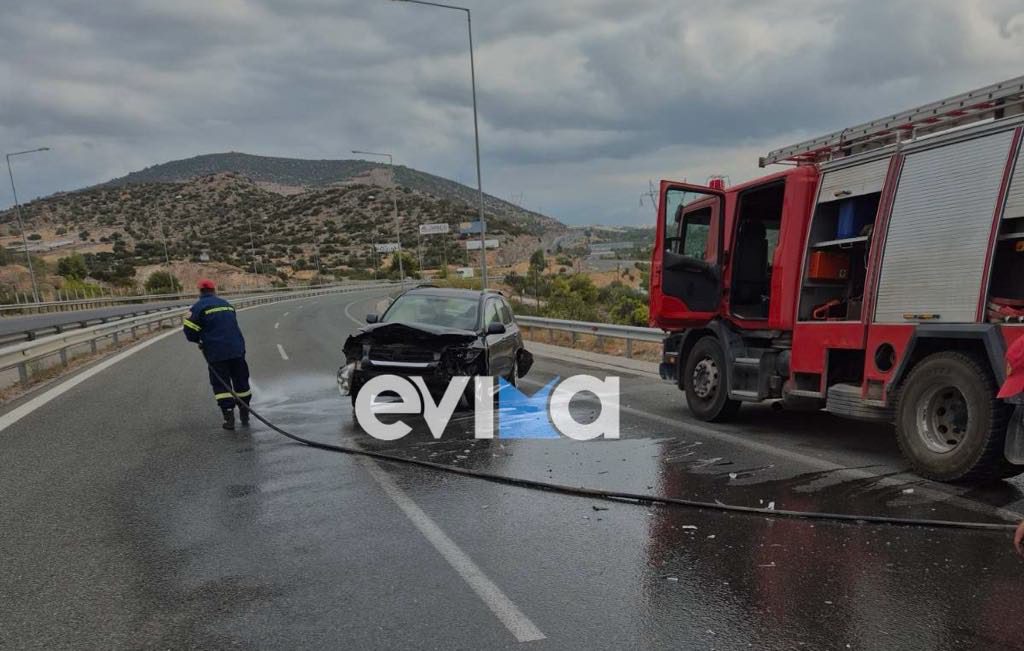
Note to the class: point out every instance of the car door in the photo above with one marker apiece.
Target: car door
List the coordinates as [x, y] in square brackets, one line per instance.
[500, 348]
[515, 337]
[686, 264]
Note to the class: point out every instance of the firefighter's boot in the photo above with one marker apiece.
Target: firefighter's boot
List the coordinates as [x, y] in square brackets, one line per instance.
[243, 414]
[229, 419]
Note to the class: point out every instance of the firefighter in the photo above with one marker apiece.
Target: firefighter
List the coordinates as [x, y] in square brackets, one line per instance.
[212, 324]
[1013, 386]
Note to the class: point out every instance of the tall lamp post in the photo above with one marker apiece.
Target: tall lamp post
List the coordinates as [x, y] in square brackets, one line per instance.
[476, 133]
[21, 223]
[394, 198]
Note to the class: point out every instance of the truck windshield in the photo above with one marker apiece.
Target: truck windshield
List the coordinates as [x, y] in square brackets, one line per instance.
[442, 311]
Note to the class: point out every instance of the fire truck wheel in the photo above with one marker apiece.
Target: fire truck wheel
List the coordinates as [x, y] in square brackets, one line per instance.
[705, 380]
[949, 424]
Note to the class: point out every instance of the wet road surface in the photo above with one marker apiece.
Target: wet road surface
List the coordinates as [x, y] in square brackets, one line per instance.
[130, 519]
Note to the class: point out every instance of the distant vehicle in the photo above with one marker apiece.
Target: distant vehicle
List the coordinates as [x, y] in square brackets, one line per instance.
[437, 334]
[880, 276]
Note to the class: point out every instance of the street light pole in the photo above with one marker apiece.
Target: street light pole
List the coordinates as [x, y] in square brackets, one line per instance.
[319, 271]
[476, 133]
[394, 199]
[21, 222]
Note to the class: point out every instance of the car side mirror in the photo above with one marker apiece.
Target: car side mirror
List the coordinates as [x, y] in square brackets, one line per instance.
[372, 318]
[496, 328]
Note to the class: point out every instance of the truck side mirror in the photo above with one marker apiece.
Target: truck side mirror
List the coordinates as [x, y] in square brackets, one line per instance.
[372, 318]
[495, 328]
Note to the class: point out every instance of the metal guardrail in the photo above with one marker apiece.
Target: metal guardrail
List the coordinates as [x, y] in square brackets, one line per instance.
[106, 301]
[611, 330]
[58, 328]
[21, 355]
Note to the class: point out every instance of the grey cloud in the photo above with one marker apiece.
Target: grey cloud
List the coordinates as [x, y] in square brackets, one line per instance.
[587, 86]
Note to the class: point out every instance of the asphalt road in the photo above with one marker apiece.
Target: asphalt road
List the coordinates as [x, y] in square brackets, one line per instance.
[130, 519]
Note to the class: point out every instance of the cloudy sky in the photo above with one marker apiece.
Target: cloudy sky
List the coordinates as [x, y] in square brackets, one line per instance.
[581, 101]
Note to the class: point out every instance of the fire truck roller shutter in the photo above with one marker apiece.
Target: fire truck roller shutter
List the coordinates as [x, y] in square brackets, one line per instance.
[939, 230]
[853, 181]
[1015, 197]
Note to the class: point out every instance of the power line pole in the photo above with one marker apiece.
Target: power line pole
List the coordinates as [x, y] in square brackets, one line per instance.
[252, 246]
[394, 199]
[21, 222]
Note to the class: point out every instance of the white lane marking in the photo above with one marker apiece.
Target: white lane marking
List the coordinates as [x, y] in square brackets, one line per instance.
[514, 620]
[349, 314]
[16, 414]
[284, 355]
[286, 313]
[277, 325]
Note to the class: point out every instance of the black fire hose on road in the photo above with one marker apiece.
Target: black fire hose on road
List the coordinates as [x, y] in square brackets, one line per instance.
[619, 496]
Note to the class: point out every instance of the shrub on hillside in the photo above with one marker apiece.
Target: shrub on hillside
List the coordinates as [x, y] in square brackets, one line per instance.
[162, 282]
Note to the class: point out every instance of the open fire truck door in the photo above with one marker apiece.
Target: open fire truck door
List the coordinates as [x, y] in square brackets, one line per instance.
[686, 276]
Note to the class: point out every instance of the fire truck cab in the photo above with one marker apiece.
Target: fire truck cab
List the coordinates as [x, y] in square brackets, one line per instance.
[880, 276]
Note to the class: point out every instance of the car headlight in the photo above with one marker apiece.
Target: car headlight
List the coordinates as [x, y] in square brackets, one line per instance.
[345, 379]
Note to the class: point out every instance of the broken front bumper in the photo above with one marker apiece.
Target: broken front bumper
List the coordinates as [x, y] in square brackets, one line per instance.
[434, 374]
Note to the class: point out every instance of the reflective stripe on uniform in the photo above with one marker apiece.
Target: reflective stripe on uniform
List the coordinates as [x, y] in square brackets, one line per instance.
[244, 394]
[221, 396]
[222, 308]
[189, 324]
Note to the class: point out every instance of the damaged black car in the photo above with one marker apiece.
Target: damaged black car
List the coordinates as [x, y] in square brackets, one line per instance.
[437, 334]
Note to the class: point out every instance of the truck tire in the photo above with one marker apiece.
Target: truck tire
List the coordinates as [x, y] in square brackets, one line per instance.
[949, 424]
[706, 382]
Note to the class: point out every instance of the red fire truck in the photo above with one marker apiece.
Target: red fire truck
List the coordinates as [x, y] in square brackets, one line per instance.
[879, 276]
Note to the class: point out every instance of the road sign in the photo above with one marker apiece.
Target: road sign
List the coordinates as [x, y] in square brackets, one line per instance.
[387, 247]
[474, 245]
[433, 229]
[469, 228]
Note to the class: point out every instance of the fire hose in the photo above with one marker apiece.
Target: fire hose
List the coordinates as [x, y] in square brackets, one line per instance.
[616, 496]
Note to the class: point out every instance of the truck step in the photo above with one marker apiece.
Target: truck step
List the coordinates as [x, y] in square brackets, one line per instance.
[748, 396]
[805, 393]
[845, 400]
[748, 362]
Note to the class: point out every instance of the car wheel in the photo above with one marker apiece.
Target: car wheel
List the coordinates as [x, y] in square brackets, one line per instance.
[706, 382]
[949, 424]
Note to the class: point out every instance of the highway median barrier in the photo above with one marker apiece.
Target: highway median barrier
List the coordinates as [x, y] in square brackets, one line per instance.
[23, 362]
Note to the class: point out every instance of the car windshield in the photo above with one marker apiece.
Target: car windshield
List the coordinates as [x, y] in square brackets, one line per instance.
[443, 311]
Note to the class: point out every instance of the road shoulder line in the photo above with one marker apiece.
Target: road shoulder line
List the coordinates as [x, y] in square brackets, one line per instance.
[503, 608]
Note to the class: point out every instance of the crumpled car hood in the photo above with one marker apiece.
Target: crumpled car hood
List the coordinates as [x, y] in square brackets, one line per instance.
[411, 333]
